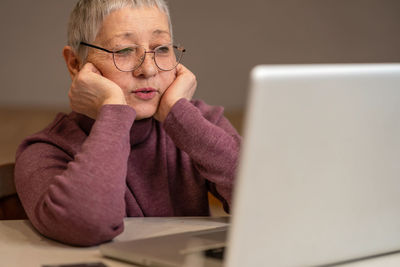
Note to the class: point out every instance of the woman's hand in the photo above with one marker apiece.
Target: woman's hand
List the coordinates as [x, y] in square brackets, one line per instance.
[183, 86]
[90, 91]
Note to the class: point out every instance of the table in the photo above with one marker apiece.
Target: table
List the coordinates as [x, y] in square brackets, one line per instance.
[22, 246]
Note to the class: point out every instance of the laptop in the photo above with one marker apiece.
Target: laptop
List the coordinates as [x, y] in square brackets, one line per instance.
[319, 176]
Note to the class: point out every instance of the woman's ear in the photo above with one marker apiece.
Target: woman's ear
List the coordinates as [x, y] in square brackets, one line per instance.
[72, 61]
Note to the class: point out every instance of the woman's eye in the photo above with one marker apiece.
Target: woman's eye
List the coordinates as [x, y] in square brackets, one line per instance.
[163, 49]
[126, 51]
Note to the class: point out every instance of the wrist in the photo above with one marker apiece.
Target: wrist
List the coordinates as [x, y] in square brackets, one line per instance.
[164, 109]
[114, 101]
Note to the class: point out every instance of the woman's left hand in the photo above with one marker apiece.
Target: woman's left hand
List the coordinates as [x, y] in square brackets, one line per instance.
[183, 86]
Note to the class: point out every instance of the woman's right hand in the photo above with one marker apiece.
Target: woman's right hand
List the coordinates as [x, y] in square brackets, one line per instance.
[89, 91]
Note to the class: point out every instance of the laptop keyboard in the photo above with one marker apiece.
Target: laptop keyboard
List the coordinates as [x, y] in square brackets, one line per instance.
[215, 253]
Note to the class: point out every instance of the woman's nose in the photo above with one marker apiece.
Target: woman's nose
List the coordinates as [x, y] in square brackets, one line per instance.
[148, 67]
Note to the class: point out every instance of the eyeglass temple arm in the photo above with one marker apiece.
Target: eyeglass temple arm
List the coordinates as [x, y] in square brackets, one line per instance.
[108, 51]
[97, 47]
[180, 48]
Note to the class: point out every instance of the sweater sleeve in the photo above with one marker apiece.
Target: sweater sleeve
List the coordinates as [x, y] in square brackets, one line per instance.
[79, 199]
[210, 141]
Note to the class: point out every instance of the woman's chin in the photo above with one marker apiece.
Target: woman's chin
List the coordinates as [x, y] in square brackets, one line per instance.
[144, 109]
[144, 113]
[142, 117]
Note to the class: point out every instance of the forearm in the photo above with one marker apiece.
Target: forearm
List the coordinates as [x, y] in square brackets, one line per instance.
[212, 145]
[80, 200]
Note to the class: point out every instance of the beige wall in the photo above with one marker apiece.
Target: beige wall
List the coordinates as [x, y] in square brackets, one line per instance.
[224, 39]
[33, 33]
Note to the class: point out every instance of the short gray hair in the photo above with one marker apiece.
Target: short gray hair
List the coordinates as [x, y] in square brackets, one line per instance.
[88, 15]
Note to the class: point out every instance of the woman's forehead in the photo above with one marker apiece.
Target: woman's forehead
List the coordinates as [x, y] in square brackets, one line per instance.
[134, 23]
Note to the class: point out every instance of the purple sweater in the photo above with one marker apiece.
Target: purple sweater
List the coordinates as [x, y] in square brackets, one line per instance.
[78, 178]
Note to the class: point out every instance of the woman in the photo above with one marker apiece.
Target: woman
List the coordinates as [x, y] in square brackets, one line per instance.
[135, 143]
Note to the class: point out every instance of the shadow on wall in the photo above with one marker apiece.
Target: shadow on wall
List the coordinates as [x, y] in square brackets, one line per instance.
[224, 40]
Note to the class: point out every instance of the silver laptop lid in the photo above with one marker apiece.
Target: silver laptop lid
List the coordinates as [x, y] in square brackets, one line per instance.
[319, 180]
[187, 249]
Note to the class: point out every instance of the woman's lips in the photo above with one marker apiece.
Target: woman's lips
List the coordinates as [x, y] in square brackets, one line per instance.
[145, 93]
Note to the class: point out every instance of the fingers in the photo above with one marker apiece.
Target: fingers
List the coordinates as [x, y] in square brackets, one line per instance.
[90, 90]
[183, 86]
[90, 67]
[181, 69]
[185, 77]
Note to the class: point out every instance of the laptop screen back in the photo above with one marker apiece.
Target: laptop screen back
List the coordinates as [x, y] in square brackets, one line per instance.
[319, 180]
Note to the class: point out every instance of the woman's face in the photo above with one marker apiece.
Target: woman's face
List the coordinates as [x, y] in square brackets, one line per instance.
[148, 27]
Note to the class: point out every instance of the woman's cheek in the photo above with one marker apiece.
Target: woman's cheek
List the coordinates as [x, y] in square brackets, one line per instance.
[169, 79]
[125, 82]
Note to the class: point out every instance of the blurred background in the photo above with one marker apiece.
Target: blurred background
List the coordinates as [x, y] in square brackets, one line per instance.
[224, 40]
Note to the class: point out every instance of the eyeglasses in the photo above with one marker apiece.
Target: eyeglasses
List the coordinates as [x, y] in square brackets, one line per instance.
[166, 57]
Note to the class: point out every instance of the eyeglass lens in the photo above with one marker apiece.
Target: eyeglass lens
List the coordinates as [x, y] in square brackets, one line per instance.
[130, 58]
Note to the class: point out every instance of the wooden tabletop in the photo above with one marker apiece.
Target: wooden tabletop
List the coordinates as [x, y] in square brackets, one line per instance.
[21, 245]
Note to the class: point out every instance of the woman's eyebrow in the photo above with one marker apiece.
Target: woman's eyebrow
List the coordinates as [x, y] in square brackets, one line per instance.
[160, 32]
[124, 35]
[127, 35]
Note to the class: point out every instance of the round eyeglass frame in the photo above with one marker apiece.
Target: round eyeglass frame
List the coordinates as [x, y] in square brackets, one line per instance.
[180, 48]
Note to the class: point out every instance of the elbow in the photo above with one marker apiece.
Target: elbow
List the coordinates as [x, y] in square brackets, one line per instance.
[75, 226]
[92, 236]
[79, 232]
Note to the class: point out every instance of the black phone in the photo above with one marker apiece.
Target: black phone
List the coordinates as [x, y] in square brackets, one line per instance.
[90, 264]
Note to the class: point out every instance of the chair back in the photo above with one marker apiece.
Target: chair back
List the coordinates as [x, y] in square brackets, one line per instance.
[10, 205]
[7, 186]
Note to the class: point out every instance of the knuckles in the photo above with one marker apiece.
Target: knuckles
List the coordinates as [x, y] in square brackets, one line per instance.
[193, 81]
[81, 80]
